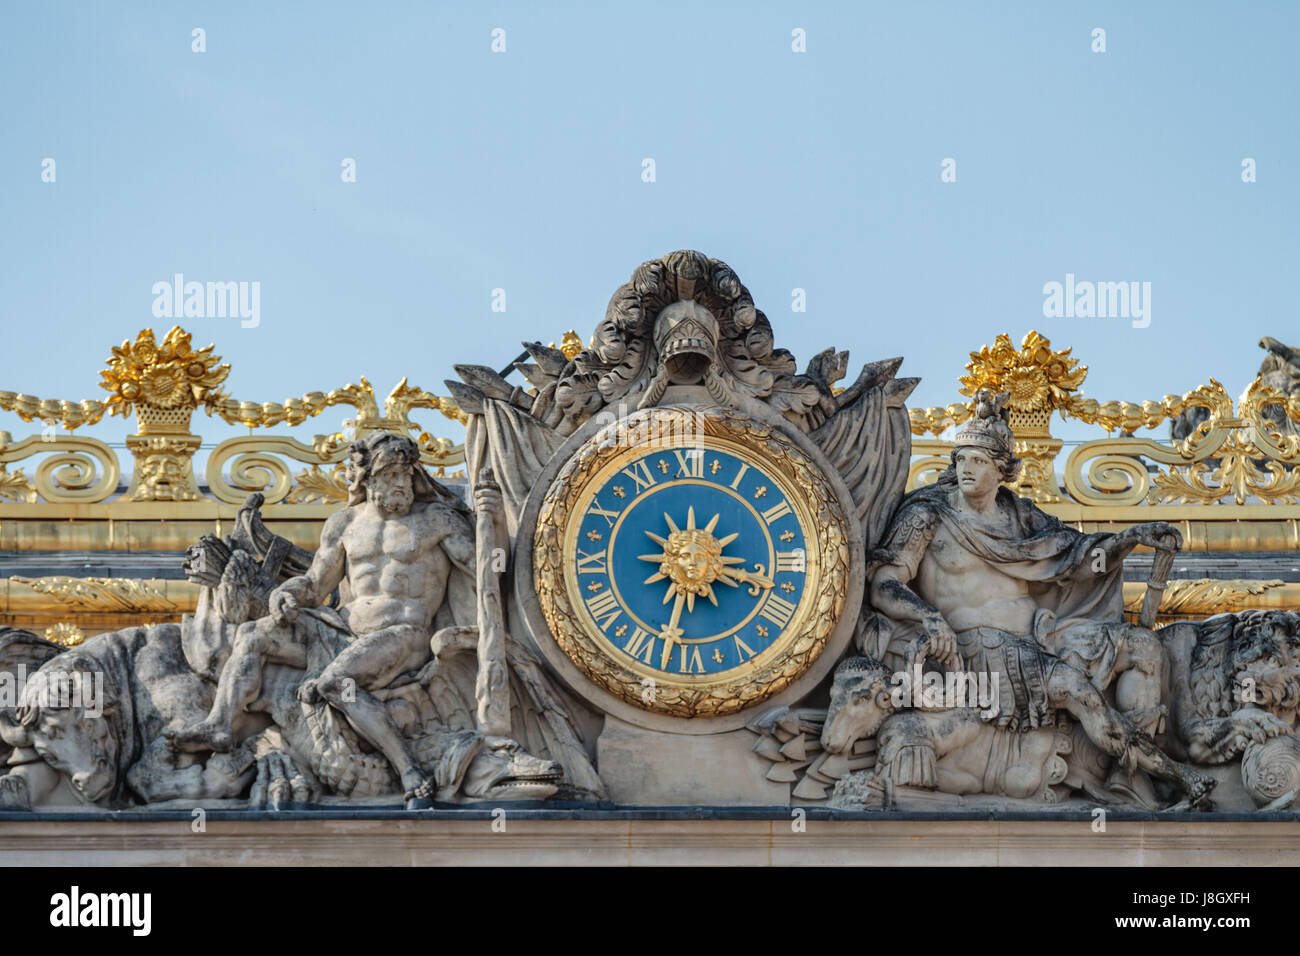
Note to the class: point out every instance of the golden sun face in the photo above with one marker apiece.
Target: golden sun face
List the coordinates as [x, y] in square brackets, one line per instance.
[692, 560]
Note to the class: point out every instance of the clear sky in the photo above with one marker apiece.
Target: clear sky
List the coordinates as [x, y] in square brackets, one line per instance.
[522, 171]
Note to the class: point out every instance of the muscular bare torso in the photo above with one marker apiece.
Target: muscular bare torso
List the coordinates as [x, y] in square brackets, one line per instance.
[397, 565]
[967, 591]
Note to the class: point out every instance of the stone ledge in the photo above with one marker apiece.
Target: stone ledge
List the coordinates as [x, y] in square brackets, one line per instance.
[639, 839]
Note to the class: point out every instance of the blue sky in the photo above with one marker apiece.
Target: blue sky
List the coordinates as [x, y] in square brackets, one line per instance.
[522, 170]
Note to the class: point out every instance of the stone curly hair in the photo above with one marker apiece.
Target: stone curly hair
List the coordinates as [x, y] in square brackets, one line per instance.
[374, 451]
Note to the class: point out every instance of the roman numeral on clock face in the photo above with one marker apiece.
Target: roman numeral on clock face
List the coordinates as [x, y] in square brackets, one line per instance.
[596, 509]
[591, 563]
[776, 512]
[641, 645]
[690, 463]
[640, 475]
[690, 662]
[777, 610]
[604, 606]
[791, 561]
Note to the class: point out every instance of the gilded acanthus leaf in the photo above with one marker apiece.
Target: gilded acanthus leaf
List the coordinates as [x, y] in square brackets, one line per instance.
[101, 594]
[1206, 596]
[315, 486]
[14, 486]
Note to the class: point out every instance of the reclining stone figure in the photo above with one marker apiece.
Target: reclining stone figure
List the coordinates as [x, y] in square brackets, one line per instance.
[395, 545]
[167, 682]
[953, 750]
[394, 552]
[105, 739]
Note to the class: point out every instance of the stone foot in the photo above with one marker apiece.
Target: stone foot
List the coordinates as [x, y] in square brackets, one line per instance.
[1196, 790]
[420, 790]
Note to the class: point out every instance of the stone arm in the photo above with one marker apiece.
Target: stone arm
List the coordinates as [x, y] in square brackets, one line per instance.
[891, 594]
[460, 545]
[1157, 535]
[326, 571]
[459, 548]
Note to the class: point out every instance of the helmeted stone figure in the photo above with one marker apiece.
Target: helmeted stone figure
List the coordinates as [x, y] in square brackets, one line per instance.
[976, 578]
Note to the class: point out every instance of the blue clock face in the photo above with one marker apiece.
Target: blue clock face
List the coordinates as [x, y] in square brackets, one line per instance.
[689, 562]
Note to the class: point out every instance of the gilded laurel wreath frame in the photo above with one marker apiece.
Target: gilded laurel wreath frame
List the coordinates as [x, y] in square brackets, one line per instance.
[826, 533]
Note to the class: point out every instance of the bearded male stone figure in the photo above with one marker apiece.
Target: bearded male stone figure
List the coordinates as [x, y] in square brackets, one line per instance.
[975, 577]
[390, 552]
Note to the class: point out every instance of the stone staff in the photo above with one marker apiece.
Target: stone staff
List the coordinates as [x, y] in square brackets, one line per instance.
[1161, 565]
[491, 688]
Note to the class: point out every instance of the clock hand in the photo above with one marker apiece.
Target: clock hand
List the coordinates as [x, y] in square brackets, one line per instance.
[672, 633]
[755, 581]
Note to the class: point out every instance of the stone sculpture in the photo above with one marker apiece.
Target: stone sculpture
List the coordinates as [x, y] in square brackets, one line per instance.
[1280, 371]
[263, 682]
[979, 579]
[1235, 696]
[683, 571]
[956, 750]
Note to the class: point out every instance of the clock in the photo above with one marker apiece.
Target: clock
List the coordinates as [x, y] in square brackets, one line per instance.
[690, 562]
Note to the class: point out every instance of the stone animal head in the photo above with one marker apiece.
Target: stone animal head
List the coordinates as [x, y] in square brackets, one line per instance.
[861, 698]
[66, 715]
[510, 773]
[1265, 662]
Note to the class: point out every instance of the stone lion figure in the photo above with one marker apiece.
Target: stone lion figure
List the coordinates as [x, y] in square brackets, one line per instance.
[1236, 692]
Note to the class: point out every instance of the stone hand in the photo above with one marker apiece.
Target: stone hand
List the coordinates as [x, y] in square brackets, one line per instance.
[309, 692]
[284, 606]
[1157, 535]
[939, 643]
[487, 497]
